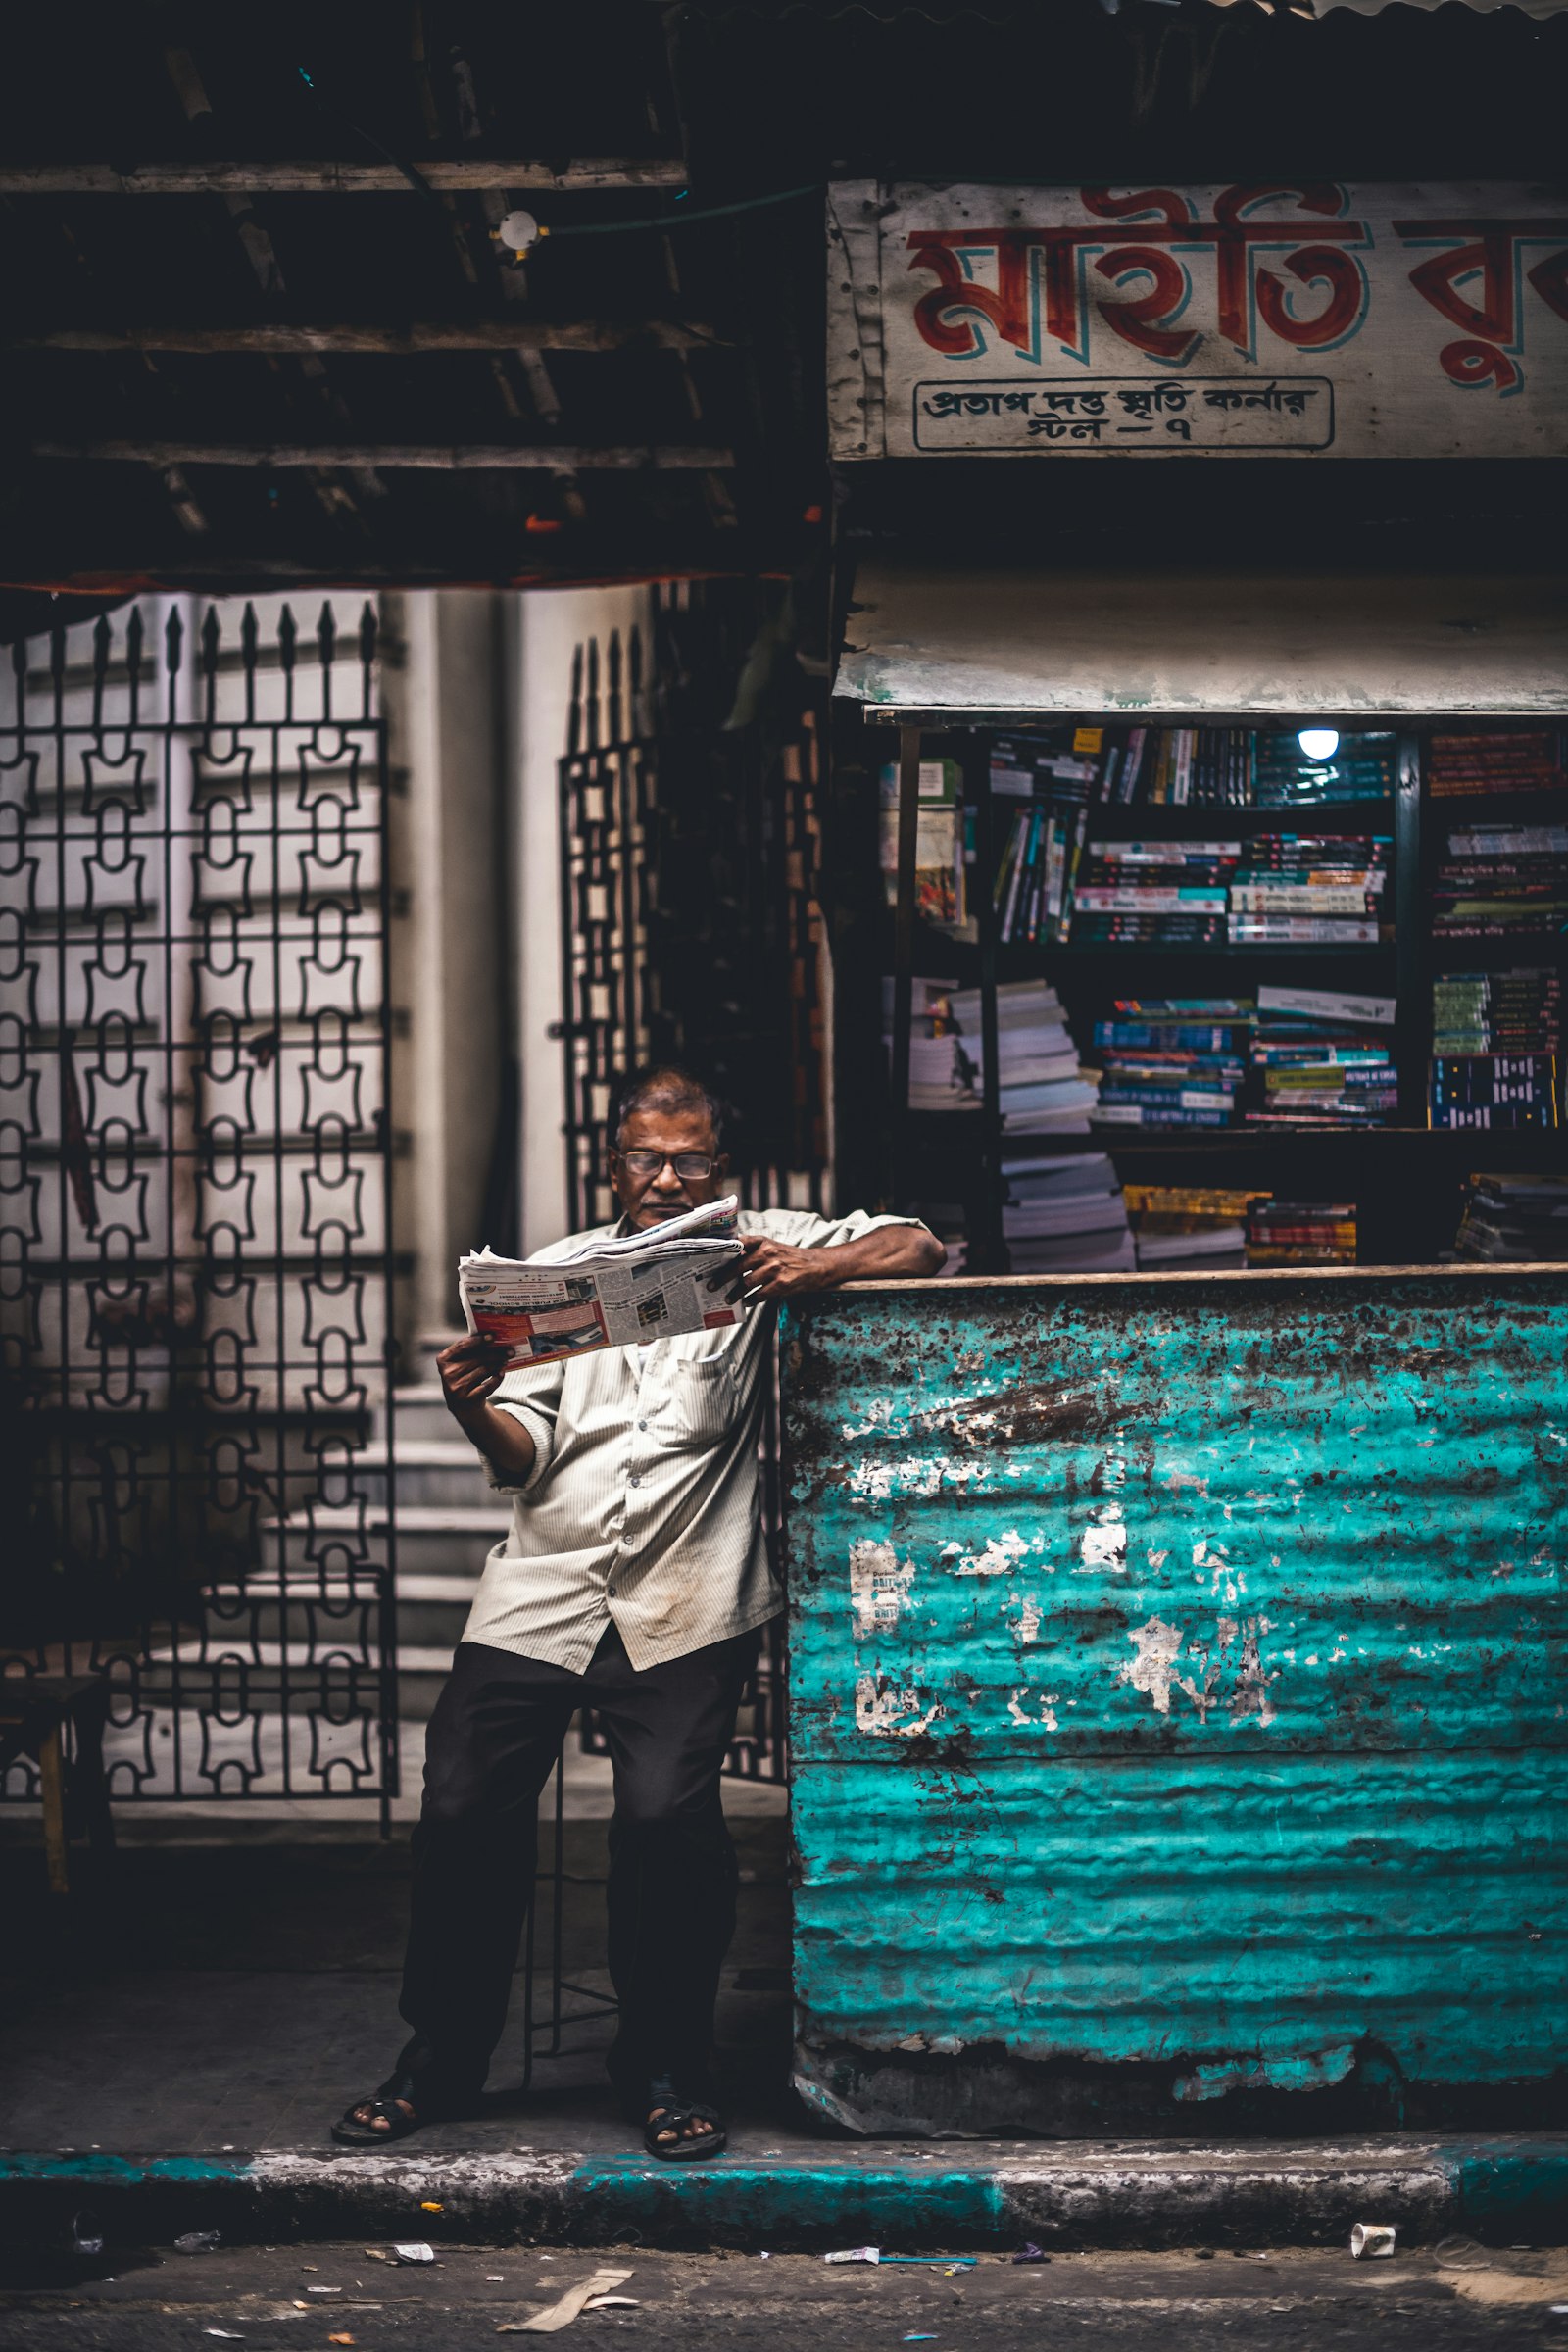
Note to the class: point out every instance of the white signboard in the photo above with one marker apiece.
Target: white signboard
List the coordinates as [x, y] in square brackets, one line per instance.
[1325, 320]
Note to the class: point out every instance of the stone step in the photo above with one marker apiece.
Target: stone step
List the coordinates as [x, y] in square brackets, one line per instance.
[419, 1413]
[422, 1672]
[431, 1612]
[433, 1539]
[428, 1470]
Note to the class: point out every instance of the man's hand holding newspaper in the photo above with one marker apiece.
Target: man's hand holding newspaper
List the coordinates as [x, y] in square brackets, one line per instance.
[682, 1276]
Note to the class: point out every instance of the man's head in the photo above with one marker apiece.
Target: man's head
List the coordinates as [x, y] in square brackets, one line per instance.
[665, 1131]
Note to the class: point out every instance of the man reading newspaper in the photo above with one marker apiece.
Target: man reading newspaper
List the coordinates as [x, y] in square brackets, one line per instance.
[635, 1580]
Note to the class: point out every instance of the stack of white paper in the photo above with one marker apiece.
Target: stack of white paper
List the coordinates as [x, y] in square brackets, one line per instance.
[939, 1074]
[1065, 1216]
[1041, 1089]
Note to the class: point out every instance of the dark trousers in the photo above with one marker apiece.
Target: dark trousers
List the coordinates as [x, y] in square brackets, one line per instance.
[496, 1731]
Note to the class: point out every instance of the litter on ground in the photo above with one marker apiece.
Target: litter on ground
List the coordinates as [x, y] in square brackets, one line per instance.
[561, 2314]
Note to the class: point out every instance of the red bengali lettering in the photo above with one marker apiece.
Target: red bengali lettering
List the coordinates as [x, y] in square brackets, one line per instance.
[1313, 265]
[1490, 327]
[947, 315]
[1006, 308]
[1143, 319]
[1551, 281]
[1236, 231]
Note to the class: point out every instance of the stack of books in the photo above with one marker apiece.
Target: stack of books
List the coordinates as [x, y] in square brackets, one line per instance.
[1497, 1012]
[1041, 1088]
[1065, 1216]
[1502, 882]
[1492, 1090]
[1309, 890]
[1172, 1061]
[1326, 1059]
[1361, 767]
[939, 1076]
[1178, 1226]
[1302, 1233]
[1495, 1038]
[1498, 762]
[1153, 893]
[1515, 1217]
[943, 849]
[1039, 865]
[1189, 768]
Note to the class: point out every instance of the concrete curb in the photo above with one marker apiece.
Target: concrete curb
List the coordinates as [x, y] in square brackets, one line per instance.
[1502, 2189]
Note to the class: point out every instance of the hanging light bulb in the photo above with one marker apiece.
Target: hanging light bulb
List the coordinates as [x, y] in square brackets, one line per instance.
[1319, 743]
[518, 232]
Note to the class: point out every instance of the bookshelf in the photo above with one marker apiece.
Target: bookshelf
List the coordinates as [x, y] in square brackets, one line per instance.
[1405, 1176]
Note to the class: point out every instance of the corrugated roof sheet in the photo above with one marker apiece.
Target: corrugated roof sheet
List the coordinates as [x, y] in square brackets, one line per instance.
[1177, 1689]
[968, 646]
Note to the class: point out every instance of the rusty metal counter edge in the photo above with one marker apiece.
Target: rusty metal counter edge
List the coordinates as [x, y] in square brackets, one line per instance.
[1179, 1698]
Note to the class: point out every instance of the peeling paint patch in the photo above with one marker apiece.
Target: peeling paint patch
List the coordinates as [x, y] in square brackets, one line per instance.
[1104, 1544]
[1153, 1670]
[1161, 1648]
[998, 1558]
[880, 1476]
[879, 1586]
[881, 1709]
[1018, 1709]
[1265, 2074]
[1026, 1627]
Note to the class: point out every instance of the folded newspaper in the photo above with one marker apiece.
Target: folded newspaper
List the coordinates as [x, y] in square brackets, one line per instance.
[615, 1294]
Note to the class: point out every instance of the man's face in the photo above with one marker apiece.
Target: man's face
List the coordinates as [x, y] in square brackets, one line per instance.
[650, 1199]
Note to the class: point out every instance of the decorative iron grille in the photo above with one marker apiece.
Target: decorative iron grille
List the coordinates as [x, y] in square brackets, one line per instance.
[194, 1216]
[691, 931]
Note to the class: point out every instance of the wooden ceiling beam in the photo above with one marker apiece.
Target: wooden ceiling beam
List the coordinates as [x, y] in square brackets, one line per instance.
[422, 455]
[420, 335]
[332, 178]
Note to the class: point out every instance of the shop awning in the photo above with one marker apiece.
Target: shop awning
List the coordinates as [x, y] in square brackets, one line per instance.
[939, 646]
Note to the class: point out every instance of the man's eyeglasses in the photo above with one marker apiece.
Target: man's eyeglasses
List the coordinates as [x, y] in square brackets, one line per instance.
[686, 1164]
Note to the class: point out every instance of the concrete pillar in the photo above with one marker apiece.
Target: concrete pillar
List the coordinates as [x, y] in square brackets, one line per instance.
[443, 686]
[550, 623]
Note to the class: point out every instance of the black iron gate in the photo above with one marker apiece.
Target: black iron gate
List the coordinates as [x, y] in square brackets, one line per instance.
[194, 1211]
[691, 929]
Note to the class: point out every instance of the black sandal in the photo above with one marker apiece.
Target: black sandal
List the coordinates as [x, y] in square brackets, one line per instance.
[667, 2111]
[350, 2132]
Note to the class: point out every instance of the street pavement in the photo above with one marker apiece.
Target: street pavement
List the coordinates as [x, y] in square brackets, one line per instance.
[321, 2298]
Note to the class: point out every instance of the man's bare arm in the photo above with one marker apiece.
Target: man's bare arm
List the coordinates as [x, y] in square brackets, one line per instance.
[471, 1370]
[889, 1252]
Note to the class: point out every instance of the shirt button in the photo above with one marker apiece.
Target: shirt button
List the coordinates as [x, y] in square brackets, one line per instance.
[634, 1480]
[642, 1425]
[612, 1591]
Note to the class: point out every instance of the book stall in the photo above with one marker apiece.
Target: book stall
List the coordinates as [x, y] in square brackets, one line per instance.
[1181, 971]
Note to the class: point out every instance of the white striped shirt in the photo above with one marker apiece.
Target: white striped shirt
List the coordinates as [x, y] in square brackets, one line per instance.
[641, 1507]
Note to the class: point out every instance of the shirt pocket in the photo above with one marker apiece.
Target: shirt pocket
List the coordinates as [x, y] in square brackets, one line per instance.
[704, 1404]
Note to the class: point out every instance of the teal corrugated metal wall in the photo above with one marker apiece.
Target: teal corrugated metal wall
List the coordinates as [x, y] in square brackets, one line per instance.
[1178, 1691]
